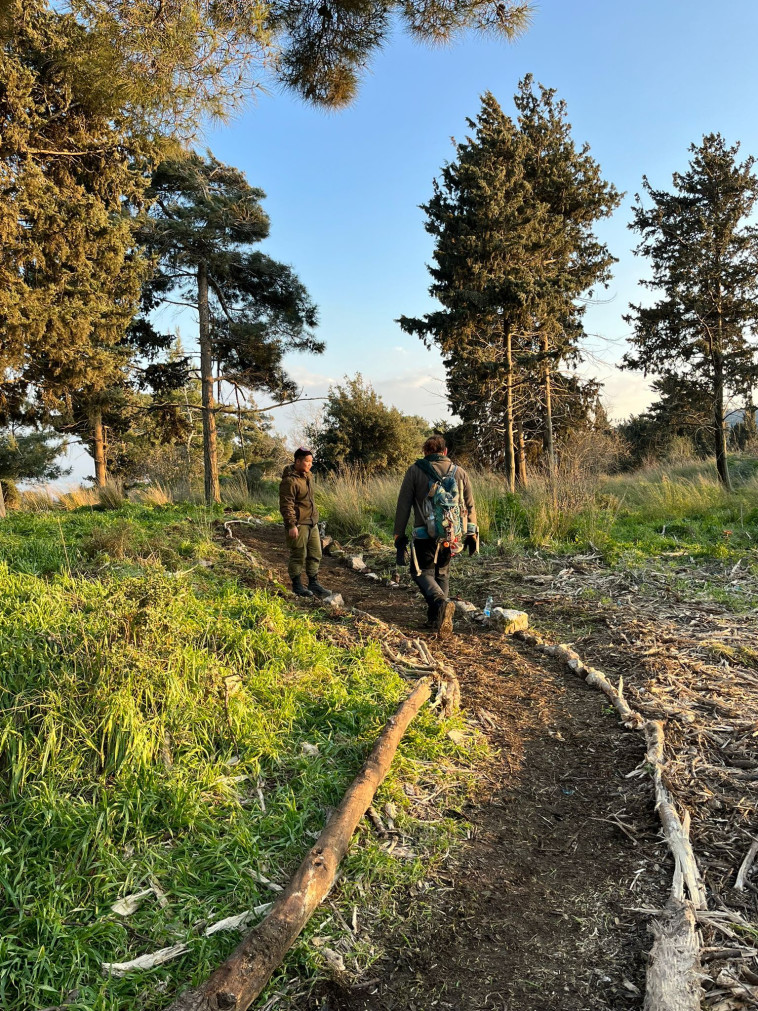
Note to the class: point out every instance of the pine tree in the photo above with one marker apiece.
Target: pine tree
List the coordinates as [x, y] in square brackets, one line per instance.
[251, 309]
[512, 218]
[704, 257]
[193, 56]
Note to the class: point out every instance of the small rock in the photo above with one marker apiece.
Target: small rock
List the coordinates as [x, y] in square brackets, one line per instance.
[465, 607]
[508, 621]
[334, 960]
[356, 563]
[372, 575]
[456, 736]
[335, 602]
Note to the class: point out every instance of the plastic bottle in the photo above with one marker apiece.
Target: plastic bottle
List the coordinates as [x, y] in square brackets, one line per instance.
[488, 607]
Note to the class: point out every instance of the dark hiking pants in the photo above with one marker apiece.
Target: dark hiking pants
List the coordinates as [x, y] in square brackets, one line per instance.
[434, 578]
[305, 551]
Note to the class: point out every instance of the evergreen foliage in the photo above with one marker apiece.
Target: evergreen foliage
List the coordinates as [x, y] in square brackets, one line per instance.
[72, 176]
[358, 431]
[204, 219]
[194, 56]
[513, 221]
[30, 456]
[704, 257]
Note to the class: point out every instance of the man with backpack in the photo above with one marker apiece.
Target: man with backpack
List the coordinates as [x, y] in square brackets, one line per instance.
[440, 495]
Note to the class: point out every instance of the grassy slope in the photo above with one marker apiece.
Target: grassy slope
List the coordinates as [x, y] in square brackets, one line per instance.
[146, 699]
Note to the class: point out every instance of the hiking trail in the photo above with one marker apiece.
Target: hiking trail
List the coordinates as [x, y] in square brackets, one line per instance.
[534, 910]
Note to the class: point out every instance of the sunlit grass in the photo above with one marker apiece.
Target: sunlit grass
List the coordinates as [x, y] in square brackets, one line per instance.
[145, 701]
[658, 507]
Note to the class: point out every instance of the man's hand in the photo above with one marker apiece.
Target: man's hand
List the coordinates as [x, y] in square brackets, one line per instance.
[292, 532]
[401, 545]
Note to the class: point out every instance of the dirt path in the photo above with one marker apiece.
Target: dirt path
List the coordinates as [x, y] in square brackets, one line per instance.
[534, 913]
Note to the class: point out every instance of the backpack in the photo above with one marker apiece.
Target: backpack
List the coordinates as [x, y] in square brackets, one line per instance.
[444, 512]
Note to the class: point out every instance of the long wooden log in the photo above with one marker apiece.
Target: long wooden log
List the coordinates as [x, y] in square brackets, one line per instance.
[673, 975]
[235, 984]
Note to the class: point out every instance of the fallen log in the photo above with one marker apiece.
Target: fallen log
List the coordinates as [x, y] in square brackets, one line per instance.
[677, 835]
[673, 979]
[673, 974]
[240, 979]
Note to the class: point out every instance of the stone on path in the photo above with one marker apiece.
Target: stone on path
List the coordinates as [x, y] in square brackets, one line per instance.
[356, 563]
[508, 621]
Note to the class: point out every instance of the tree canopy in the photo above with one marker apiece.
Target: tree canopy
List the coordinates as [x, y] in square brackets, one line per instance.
[358, 430]
[72, 178]
[512, 217]
[704, 256]
[204, 55]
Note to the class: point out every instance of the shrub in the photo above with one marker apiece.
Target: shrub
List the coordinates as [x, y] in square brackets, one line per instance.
[112, 495]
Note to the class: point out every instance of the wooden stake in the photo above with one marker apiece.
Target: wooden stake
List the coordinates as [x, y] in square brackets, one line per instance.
[235, 984]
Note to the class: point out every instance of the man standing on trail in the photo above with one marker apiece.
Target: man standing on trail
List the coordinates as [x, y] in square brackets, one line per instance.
[300, 515]
[444, 513]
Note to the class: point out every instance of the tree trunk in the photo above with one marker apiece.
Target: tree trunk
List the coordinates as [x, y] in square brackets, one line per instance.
[510, 454]
[751, 429]
[2, 502]
[548, 408]
[521, 455]
[210, 453]
[719, 426]
[98, 447]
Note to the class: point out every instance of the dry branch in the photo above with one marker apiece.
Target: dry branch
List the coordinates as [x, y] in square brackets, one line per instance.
[236, 983]
[745, 866]
[676, 834]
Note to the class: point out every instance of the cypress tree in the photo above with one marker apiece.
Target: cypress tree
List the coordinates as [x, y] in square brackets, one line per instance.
[512, 217]
[71, 179]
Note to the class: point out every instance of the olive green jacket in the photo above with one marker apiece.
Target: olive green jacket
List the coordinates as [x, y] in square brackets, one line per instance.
[296, 502]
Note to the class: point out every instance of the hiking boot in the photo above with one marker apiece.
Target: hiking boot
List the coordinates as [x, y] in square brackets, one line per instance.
[317, 589]
[299, 590]
[443, 621]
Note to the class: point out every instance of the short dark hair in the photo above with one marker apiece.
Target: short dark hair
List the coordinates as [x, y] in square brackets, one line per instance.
[434, 444]
[302, 451]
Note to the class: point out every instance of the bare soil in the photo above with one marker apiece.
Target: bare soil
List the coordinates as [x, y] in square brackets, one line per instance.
[535, 909]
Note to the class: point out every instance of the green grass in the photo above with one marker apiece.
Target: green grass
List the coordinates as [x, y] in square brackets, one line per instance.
[145, 700]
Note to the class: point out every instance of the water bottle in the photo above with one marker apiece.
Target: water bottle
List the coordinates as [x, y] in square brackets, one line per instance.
[488, 607]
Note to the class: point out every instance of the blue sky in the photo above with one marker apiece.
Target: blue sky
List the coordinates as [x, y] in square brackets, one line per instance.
[642, 81]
